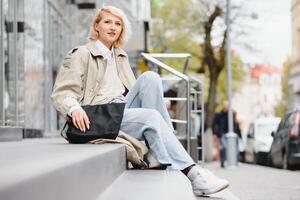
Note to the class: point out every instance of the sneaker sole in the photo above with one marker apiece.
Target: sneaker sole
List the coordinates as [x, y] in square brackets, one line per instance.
[211, 191]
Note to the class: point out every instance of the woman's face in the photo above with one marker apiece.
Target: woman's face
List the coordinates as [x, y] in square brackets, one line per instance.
[109, 28]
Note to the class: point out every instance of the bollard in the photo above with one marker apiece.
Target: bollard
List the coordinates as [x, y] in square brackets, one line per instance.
[231, 149]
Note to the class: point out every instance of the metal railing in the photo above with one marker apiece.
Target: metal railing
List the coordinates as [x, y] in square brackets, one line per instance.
[2, 65]
[192, 92]
[199, 93]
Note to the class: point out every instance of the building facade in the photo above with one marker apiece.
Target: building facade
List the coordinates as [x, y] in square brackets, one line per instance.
[259, 94]
[35, 36]
[294, 78]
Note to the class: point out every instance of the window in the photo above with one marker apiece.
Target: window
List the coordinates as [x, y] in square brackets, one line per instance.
[11, 63]
[289, 120]
[281, 125]
[263, 79]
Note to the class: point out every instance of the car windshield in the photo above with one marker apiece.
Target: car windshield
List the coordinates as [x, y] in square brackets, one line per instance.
[265, 129]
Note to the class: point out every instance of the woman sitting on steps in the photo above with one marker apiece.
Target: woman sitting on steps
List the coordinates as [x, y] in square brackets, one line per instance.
[145, 116]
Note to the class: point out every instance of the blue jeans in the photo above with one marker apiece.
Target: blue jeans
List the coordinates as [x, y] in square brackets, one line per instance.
[223, 142]
[146, 118]
[223, 149]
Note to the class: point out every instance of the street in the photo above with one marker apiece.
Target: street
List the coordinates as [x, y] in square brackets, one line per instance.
[254, 182]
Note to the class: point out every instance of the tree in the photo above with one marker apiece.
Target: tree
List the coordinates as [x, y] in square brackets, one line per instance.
[215, 62]
[197, 27]
[282, 107]
[238, 74]
[173, 30]
[214, 48]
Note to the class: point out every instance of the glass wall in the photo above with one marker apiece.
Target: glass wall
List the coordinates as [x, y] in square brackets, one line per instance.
[57, 38]
[35, 35]
[34, 38]
[12, 63]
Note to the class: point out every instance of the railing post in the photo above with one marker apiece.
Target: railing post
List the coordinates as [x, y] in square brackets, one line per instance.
[202, 123]
[187, 79]
[2, 68]
[188, 119]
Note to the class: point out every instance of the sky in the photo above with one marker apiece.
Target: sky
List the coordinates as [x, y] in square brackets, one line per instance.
[271, 37]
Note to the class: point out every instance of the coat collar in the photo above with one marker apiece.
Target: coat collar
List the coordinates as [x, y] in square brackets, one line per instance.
[96, 52]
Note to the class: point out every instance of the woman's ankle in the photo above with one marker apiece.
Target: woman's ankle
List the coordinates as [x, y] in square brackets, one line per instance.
[187, 169]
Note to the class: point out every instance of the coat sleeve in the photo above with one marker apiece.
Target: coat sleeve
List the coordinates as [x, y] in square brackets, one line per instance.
[68, 89]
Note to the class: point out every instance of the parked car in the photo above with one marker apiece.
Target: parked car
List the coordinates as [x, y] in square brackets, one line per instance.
[285, 149]
[259, 140]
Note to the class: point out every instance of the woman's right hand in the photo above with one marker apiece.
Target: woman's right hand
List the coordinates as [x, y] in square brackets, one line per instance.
[80, 119]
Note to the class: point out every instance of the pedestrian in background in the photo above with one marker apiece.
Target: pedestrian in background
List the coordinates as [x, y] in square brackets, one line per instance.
[220, 128]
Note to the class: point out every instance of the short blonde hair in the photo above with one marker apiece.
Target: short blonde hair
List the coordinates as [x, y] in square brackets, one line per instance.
[126, 29]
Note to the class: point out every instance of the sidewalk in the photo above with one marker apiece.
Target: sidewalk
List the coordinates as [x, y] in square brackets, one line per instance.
[254, 182]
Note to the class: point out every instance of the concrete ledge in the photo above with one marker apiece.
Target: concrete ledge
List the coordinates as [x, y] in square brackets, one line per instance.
[32, 133]
[11, 133]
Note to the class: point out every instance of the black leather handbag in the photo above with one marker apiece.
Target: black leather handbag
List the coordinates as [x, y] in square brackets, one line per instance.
[105, 122]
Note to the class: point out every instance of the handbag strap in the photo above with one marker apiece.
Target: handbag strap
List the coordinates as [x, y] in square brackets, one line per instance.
[61, 132]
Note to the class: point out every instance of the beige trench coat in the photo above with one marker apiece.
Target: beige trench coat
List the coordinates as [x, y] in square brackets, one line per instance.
[78, 81]
[135, 150]
[80, 76]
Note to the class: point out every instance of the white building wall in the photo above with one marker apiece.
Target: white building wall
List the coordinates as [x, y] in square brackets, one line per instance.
[256, 99]
[294, 79]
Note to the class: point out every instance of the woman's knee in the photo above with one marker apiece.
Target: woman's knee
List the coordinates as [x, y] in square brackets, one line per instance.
[151, 76]
[152, 81]
[152, 118]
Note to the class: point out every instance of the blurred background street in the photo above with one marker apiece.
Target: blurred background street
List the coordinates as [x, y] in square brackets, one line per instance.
[259, 182]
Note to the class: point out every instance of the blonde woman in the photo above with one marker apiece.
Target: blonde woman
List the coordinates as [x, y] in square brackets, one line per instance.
[108, 77]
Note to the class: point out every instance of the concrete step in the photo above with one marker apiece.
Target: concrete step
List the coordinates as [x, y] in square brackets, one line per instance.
[149, 185]
[49, 169]
[52, 169]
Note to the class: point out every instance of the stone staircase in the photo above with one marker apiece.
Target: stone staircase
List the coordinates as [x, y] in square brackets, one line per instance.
[52, 169]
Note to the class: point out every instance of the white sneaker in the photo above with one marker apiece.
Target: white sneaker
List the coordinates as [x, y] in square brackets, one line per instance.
[204, 182]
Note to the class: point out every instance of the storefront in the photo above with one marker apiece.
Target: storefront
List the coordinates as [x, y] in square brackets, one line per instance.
[35, 36]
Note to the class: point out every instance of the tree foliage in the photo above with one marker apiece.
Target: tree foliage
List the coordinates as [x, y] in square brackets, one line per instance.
[238, 75]
[174, 30]
[198, 28]
[282, 107]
